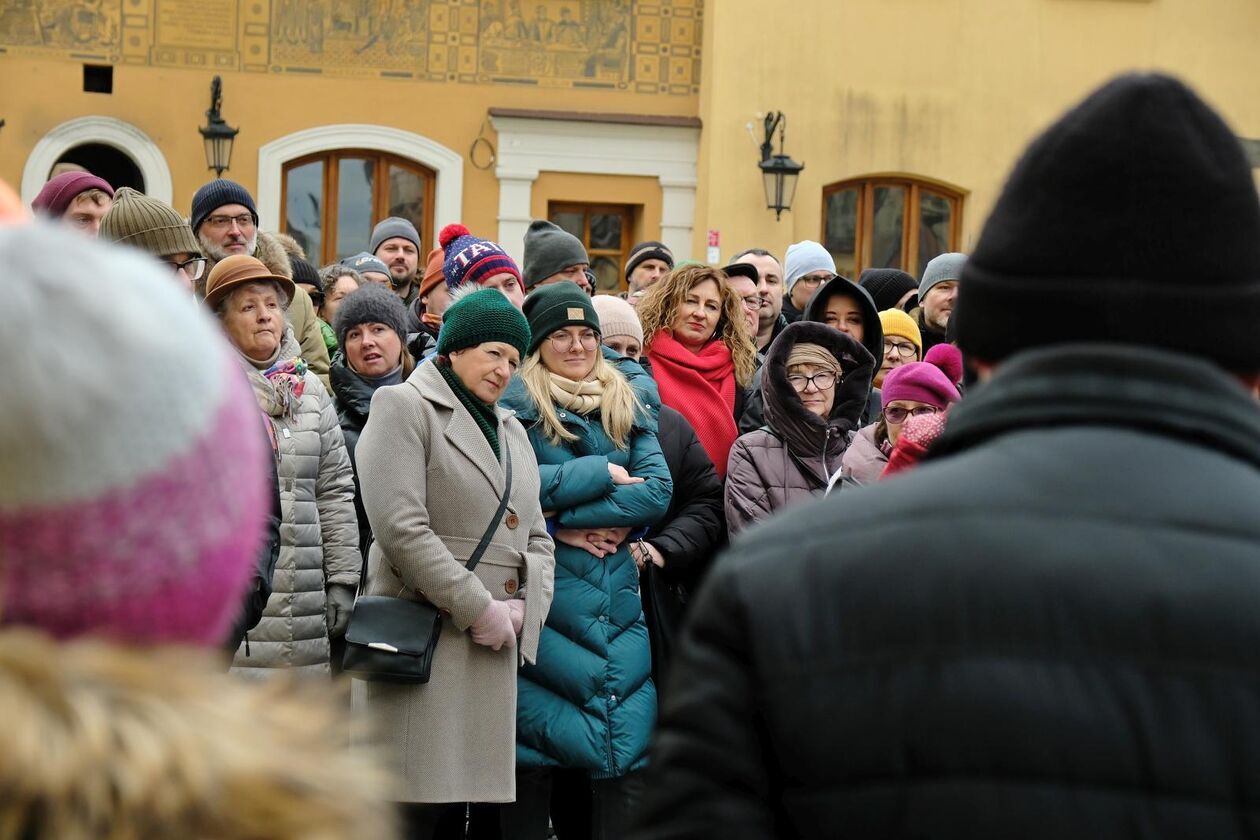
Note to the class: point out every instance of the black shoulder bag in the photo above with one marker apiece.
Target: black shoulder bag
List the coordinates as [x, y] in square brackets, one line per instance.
[393, 639]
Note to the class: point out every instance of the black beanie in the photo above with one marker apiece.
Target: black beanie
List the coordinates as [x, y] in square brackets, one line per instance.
[216, 194]
[887, 286]
[556, 306]
[1133, 219]
[304, 272]
[650, 250]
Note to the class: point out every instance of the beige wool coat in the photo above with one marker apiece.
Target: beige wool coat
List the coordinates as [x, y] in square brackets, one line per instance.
[430, 485]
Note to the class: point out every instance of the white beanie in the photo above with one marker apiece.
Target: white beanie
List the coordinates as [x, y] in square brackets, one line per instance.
[616, 317]
[803, 258]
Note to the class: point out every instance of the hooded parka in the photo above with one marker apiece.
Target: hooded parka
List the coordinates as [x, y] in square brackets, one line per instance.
[752, 416]
[795, 455]
[589, 702]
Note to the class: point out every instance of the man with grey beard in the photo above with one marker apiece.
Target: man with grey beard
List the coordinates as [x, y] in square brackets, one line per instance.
[225, 221]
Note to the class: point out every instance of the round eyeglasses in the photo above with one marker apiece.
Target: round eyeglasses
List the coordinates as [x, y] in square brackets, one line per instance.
[823, 381]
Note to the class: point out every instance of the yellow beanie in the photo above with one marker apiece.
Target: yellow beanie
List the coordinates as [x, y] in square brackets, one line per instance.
[896, 322]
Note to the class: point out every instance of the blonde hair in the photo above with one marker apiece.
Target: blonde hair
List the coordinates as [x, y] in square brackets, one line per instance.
[658, 308]
[111, 742]
[618, 405]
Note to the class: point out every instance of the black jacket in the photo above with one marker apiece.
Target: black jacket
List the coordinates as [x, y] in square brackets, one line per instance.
[353, 398]
[1048, 630]
[691, 532]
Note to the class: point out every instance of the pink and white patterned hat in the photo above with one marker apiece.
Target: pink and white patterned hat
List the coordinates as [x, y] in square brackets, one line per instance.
[133, 485]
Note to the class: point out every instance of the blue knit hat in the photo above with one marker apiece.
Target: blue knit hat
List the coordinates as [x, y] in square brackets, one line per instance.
[470, 259]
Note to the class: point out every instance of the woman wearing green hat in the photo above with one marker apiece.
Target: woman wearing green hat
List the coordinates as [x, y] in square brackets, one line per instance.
[588, 706]
[433, 465]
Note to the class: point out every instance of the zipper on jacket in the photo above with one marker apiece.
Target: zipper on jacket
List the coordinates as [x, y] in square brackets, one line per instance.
[612, 759]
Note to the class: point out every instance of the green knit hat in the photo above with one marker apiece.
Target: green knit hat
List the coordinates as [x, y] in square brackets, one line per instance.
[148, 224]
[484, 315]
[556, 306]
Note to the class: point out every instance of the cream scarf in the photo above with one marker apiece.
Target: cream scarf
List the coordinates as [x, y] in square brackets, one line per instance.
[580, 397]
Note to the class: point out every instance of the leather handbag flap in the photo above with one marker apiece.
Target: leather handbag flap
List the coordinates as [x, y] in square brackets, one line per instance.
[392, 624]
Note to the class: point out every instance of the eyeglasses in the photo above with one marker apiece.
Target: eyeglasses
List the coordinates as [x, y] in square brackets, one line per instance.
[823, 381]
[903, 349]
[752, 303]
[194, 267]
[244, 221]
[897, 414]
[814, 281]
[562, 341]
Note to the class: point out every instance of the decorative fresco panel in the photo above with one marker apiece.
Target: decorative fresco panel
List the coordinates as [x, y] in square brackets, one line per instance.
[647, 47]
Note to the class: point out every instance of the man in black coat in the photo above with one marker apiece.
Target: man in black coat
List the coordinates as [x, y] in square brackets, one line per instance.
[1050, 628]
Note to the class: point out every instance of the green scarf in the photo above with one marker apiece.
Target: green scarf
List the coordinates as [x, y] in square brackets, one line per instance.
[485, 415]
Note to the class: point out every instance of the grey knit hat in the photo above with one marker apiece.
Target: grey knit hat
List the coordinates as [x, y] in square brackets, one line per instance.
[371, 303]
[942, 267]
[549, 250]
[393, 227]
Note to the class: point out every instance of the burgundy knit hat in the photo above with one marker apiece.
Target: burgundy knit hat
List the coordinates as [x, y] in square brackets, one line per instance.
[920, 382]
[57, 194]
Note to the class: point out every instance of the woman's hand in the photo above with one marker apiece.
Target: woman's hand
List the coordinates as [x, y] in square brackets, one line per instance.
[644, 553]
[493, 628]
[621, 476]
[599, 542]
[517, 608]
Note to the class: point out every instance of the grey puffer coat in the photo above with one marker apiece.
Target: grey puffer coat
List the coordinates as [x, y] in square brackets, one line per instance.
[795, 454]
[319, 534]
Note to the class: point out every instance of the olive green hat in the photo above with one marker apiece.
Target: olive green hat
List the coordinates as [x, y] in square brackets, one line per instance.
[484, 315]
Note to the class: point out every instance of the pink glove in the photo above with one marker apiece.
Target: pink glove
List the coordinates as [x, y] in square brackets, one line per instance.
[517, 608]
[493, 628]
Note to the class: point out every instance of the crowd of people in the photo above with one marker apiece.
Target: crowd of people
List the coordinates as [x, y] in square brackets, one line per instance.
[257, 444]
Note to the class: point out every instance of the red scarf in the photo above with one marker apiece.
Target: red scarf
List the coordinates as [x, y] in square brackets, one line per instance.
[701, 387]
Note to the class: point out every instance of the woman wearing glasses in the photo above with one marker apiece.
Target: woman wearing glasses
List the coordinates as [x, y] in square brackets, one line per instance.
[902, 343]
[814, 386]
[586, 709]
[911, 390]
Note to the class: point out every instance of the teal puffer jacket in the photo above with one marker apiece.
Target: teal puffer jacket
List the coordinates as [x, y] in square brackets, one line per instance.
[590, 703]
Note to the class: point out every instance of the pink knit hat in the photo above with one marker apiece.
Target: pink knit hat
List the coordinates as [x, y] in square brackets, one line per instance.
[920, 382]
[949, 359]
[132, 450]
[56, 195]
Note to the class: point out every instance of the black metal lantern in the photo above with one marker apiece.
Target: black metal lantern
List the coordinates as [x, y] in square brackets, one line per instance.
[779, 172]
[217, 134]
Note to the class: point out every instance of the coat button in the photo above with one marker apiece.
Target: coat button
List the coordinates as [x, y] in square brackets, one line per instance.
[510, 586]
[397, 573]
[512, 520]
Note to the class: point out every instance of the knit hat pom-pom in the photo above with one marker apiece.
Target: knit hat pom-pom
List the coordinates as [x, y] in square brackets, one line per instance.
[452, 232]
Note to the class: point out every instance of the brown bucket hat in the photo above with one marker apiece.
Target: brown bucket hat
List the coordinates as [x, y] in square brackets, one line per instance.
[237, 270]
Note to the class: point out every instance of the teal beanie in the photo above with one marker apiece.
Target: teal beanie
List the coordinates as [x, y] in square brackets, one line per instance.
[484, 315]
[556, 306]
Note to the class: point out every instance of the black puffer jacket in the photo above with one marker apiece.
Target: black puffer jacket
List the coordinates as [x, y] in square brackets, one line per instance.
[353, 398]
[753, 414]
[1061, 641]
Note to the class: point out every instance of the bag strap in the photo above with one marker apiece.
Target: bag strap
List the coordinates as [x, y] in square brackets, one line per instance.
[485, 538]
[475, 558]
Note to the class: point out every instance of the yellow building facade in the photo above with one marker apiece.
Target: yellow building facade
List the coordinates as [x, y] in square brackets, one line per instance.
[621, 120]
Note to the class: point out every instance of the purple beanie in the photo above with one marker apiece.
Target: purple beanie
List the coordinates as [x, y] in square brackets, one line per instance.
[55, 197]
[469, 259]
[135, 466]
[920, 382]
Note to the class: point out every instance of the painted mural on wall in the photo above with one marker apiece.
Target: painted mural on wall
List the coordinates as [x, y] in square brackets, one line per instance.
[647, 47]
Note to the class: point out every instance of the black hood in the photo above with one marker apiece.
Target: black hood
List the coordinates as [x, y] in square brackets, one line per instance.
[872, 331]
[802, 431]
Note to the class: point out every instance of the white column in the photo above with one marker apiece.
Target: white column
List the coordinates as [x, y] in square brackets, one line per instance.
[515, 193]
[678, 213]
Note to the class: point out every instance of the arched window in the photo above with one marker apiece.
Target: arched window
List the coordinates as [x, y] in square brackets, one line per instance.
[331, 200]
[890, 222]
